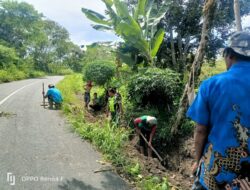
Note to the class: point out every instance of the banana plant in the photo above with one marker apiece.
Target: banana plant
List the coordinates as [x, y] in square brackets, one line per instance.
[138, 29]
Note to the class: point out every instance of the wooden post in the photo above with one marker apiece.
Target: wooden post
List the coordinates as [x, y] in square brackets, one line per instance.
[152, 148]
[43, 92]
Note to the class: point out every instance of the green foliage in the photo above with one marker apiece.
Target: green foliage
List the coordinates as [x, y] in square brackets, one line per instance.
[69, 86]
[187, 127]
[135, 170]
[154, 183]
[29, 36]
[183, 18]
[19, 22]
[13, 73]
[154, 92]
[110, 140]
[209, 70]
[8, 56]
[96, 52]
[96, 17]
[154, 87]
[5, 76]
[156, 42]
[59, 69]
[137, 28]
[35, 74]
[99, 72]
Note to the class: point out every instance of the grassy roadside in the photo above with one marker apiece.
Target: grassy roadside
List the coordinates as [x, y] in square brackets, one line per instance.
[14, 73]
[111, 141]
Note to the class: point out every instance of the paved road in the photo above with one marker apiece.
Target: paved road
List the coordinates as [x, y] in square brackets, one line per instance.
[38, 151]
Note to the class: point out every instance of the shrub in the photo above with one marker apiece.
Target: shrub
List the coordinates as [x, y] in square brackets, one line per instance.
[8, 56]
[59, 69]
[5, 76]
[155, 92]
[156, 88]
[12, 73]
[99, 72]
[34, 74]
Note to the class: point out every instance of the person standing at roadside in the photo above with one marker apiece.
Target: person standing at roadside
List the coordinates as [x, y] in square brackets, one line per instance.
[222, 113]
[87, 89]
[114, 107]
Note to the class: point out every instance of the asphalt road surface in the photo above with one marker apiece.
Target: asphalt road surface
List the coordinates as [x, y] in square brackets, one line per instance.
[39, 151]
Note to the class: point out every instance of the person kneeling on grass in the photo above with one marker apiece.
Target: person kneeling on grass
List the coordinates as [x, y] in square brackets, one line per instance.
[54, 97]
[146, 126]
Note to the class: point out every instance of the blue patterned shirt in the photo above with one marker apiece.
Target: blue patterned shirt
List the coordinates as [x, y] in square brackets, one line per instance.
[223, 106]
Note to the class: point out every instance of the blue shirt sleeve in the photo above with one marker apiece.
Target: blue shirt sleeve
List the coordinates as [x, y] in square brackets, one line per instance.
[199, 110]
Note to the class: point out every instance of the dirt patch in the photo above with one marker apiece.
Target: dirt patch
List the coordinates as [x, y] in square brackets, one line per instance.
[178, 174]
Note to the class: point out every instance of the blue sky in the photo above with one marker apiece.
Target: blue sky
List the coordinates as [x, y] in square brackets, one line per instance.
[68, 14]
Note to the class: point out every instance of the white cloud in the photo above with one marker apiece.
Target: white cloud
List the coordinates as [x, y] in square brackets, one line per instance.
[68, 14]
[246, 21]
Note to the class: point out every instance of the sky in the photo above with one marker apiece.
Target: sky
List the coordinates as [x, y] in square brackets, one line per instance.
[68, 14]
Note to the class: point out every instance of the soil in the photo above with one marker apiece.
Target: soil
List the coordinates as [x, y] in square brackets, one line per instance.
[177, 169]
[176, 166]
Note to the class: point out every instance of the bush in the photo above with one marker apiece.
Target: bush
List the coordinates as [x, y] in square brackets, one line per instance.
[11, 74]
[8, 56]
[5, 76]
[155, 88]
[69, 86]
[34, 74]
[59, 69]
[155, 92]
[99, 72]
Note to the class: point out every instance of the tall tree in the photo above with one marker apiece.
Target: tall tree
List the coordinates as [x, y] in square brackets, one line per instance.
[18, 24]
[208, 15]
[43, 42]
[237, 15]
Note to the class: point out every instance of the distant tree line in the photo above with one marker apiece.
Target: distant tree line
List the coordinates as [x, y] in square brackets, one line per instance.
[27, 37]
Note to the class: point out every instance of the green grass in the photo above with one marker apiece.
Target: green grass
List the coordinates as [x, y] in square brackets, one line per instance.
[211, 70]
[108, 139]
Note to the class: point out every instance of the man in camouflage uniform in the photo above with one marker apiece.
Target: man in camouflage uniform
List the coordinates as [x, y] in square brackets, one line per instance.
[222, 113]
[114, 106]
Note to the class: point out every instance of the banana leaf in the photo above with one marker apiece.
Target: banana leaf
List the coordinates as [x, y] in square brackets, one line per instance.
[157, 41]
[108, 2]
[140, 9]
[121, 9]
[155, 19]
[95, 17]
[102, 27]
